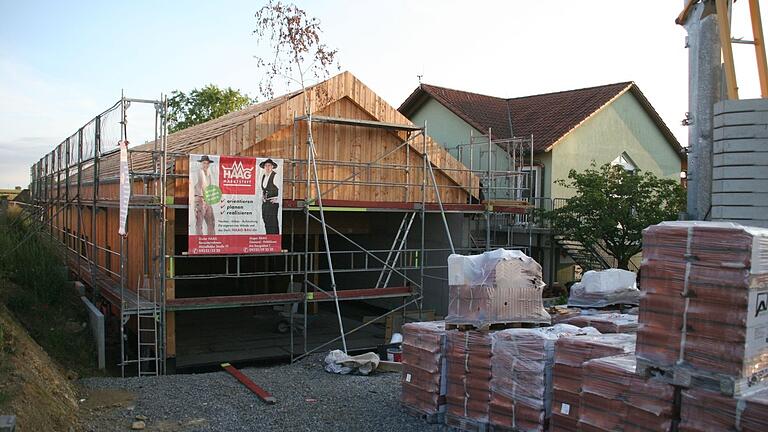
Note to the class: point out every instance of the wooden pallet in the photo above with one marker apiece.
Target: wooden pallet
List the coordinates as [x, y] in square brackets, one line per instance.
[493, 326]
[429, 418]
[688, 377]
[455, 424]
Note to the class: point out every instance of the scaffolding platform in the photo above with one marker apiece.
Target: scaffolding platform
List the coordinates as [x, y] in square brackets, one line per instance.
[109, 288]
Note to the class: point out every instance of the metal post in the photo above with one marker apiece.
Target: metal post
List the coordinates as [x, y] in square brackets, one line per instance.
[487, 212]
[704, 91]
[311, 150]
[94, 214]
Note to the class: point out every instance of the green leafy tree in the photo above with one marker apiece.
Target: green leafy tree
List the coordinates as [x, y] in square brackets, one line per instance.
[612, 206]
[204, 104]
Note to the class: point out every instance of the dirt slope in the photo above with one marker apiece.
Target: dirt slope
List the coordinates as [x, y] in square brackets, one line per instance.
[32, 386]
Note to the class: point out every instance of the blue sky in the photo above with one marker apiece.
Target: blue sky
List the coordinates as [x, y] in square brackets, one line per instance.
[61, 63]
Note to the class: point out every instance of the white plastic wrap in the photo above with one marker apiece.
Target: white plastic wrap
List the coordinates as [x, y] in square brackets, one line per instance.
[521, 385]
[605, 288]
[501, 286]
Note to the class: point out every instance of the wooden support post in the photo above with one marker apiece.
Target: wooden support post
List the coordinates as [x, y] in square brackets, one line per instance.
[725, 40]
[757, 35]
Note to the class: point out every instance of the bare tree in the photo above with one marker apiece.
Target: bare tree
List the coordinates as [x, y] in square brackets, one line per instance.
[297, 54]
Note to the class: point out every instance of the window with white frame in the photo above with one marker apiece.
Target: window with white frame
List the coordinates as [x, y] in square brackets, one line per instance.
[623, 160]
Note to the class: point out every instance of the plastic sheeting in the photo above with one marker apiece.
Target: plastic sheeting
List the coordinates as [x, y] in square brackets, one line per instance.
[521, 384]
[501, 286]
[605, 288]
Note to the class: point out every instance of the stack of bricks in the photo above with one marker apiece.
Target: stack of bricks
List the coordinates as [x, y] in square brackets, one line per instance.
[704, 318]
[615, 398]
[521, 383]
[423, 383]
[571, 352]
[705, 300]
[705, 411]
[612, 322]
[468, 391]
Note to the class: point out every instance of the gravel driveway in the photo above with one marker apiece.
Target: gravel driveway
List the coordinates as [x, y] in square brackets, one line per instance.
[308, 399]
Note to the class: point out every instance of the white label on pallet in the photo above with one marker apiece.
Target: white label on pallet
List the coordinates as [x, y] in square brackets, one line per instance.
[565, 408]
[407, 377]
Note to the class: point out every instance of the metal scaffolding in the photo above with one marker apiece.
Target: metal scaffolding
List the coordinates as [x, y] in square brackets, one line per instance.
[74, 184]
[65, 185]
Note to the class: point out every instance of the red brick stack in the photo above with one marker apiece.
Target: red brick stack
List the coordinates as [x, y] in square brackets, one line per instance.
[468, 391]
[570, 354]
[423, 367]
[705, 300]
[705, 411]
[521, 385]
[606, 322]
[614, 397]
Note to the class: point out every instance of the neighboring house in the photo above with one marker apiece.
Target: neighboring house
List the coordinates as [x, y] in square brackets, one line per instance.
[10, 194]
[570, 129]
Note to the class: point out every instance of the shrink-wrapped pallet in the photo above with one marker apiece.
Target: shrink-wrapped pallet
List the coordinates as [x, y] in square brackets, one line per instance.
[570, 354]
[468, 379]
[614, 397]
[502, 286]
[704, 306]
[603, 288]
[605, 322]
[423, 377]
[521, 385]
[705, 411]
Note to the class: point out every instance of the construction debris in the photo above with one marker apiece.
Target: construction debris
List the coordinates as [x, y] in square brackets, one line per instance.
[252, 386]
[340, 363]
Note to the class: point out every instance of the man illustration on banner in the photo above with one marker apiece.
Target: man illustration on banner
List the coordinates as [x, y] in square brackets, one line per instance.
[202, 203]
[270, 206]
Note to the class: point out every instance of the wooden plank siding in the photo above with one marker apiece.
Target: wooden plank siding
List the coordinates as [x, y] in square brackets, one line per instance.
[267, 129]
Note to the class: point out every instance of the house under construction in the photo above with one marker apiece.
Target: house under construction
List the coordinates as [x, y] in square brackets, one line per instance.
[371, 209]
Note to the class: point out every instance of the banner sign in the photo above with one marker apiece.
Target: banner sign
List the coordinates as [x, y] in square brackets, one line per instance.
[235, 205]
[125, 188]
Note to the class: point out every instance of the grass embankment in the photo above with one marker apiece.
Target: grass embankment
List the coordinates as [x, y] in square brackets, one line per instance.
[33, 285]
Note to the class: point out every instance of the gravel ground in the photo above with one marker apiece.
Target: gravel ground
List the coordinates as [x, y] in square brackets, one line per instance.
[308, 399]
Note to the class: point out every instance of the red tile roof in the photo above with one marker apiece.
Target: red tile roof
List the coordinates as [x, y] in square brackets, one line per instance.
[548, 117]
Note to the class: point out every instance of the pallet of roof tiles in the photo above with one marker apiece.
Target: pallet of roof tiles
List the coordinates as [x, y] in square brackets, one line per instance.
[705, 411]
[468, 379]
[521, 384]
[498, 287]
[610, 322]
[705, 305]
[423, 376]
[614, 397]
[570, 354]
[604, 288]
[561, 313]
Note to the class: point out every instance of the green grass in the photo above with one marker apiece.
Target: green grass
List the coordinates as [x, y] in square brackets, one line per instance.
[33, 284]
